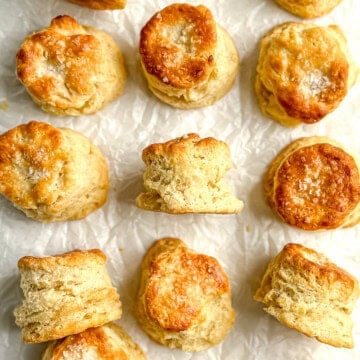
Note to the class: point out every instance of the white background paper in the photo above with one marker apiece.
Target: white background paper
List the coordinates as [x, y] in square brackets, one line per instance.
[243, 243]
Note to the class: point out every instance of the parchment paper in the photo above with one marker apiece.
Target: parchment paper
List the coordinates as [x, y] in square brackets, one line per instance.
[243, 243]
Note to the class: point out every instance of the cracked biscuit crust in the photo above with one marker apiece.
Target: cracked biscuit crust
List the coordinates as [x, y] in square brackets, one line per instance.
[304, 71]
[52, 174]
[70, 69]
[314, 184]
[184, 298]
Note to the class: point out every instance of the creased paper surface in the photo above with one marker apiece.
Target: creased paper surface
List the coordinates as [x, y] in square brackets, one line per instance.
[243, 243]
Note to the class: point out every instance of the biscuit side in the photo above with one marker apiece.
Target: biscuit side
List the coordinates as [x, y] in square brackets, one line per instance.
[185, 175]
[64, 295]
[308, 293]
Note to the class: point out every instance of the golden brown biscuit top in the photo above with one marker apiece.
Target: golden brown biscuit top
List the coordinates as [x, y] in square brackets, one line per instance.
[102, 4]
[179, 282]
[33, 164]
[62, 58]
[88, 343]
[306, 67]
[31, 159]
[177, 45]
[312, 263]
[75, 258]
[317, 187]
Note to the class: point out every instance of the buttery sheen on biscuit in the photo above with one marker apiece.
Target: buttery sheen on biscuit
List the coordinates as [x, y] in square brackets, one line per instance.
[52, 174]
[185, 175]
[71, 69]
[314, 184]
[101, 4]
[184, 299]
[64, 295]
[308, 9]
[107, 342]
[305, 291]
[188, 60]
[304, 72]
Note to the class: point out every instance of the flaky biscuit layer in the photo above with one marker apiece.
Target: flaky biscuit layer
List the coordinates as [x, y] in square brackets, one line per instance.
[305, 291]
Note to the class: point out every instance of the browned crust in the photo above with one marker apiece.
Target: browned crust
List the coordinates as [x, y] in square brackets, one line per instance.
[313, 187]
[310, 262]
[39, 147]
[101, 4]
[75, 258]
[64, 39]
[177, 45]
[109, 342]
[176, 278]
[304, 69]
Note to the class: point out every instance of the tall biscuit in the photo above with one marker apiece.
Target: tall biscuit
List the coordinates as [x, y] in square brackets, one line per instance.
[185, 175]
[305, 291]
[188, 60]
[64, 295]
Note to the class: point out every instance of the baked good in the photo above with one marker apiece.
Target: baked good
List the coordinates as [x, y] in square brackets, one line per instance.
[314, 184]
[184, 299]
[71, 69]
[188, 60]
[308, 9]
[303, 73]
[305, 291]
[52, 174]
[106, 342]
[184, 175]
[101, 4]
[64, 295]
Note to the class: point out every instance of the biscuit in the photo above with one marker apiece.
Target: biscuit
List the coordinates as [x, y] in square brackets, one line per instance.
[308, 9]
[64, 295]
[305, 291]
[184, 175]
[106, 342]
[184, 299]
[71, 69]
[101, 4]
[52, 174]
[314, 184]
[188, 60]
[303, 73]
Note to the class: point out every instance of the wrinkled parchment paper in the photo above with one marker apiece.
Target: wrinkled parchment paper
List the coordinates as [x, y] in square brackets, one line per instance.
[243, 243]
